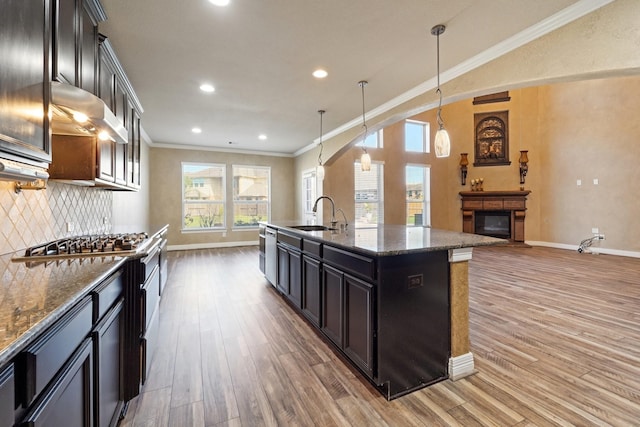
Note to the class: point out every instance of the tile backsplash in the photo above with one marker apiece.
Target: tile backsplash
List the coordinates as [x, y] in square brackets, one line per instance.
[37, 216]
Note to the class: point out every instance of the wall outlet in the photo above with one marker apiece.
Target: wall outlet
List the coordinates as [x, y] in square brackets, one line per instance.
[595, 230]
[70, 226]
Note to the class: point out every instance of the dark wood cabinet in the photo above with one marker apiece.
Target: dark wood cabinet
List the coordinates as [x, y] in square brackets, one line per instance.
[107, 341]
[68, 399]
[25, 74]
[347, 315]
[133, 149]
[290, 273]
[333, 305]
[311, 296]
[88, 46]
[282, 282]
[7, 391]
[65, 42]
[359, 329]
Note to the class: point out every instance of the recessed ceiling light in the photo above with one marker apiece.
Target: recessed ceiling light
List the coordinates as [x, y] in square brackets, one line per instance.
[206, 87]
[196, 130]
[219, 2]
[320, 73]
[262, 137]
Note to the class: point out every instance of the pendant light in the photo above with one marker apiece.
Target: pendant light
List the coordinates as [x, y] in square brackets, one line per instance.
[365, 159]
[320, 169]
[442, 143]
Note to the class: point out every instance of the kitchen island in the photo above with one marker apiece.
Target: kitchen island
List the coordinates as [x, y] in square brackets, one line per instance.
[392, 299]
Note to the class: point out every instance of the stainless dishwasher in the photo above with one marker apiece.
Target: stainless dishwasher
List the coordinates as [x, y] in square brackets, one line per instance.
[271, 256]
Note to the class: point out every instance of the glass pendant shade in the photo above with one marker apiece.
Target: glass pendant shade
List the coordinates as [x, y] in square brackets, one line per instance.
[320, 172]
[442, 143]
[365, 162]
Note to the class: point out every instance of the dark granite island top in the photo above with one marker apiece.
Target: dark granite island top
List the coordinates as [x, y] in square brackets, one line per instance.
[386, 240]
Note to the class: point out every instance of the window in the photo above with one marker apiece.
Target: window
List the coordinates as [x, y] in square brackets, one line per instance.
[308, 194]
[203, 196]
[368, 195]
[416, 136]
[251, 190]
[418, 191]
[373, 140]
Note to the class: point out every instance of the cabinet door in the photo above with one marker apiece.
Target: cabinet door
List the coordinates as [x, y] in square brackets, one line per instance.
[295, 278]
[358, 339]
[133, 150]
[65, 48]
[68, 400]
[311, 298]
[88, 50]
[282, 282]
[333, 304]
[24, 80]
[106, 160]
[107, 341]
[7, 391]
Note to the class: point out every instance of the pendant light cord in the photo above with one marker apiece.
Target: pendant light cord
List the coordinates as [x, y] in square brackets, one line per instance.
[362, 84]
[320, 155]
[436, 31]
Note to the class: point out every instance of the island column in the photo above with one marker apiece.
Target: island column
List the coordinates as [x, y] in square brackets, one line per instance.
[461, 360]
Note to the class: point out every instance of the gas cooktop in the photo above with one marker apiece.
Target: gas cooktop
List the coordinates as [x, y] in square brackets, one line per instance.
[99, 245]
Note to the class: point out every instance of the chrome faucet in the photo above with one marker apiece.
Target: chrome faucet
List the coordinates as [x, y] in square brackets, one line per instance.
[334, 222]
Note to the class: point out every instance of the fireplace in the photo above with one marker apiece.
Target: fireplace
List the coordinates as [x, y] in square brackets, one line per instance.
[493, 223]
[495, 213]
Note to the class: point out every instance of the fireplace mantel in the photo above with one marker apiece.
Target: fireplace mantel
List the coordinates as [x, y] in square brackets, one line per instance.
[513, 202]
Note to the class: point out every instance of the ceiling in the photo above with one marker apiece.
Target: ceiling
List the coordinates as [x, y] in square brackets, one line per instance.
[259, 55]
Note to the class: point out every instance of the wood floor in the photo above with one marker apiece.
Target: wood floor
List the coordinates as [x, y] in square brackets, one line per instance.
[555, 334]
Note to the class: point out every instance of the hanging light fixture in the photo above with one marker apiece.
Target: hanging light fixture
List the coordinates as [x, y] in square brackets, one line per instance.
[442, 143]
[320, 169]
[365, 159]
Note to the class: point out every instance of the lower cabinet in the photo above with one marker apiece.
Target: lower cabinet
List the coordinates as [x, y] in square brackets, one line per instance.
[7, 392]
[359, 328]
[347, 315]
[311, 297]
[107, 341]
[282, 283]
[290, 274]
[68, 399]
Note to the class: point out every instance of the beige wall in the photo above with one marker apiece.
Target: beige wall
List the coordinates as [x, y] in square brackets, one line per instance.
[579, 130]
[166, 192]
[601, 44]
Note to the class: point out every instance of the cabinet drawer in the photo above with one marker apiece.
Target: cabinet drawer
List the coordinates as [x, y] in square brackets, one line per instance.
[492, 204]
[289, 239]
[39, 362]
[105, 295]
[472, 204]
[150, 262]
[312, 248]
[7, 387]
[514, 204]
[357, 264]
[150, 297]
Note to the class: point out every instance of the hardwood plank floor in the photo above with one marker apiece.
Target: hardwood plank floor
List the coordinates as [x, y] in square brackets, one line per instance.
[555, 335]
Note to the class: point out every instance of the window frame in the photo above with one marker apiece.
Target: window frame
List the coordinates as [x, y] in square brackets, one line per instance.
[426, 136]
[185, 202]
[235, 202]
[380, 195]
[379, 140]
[426, 195]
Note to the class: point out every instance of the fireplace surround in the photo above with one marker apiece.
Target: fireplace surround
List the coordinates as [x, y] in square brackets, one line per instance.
[494, 213]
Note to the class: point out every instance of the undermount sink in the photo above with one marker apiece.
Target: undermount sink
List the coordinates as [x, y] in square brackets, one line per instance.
[312, 227]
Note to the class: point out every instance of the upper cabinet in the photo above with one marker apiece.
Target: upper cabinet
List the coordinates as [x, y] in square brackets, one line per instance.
[24, 81]
[85, 58]
[75, 42]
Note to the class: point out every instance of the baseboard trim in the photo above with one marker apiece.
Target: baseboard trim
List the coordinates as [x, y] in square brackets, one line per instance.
[461, 366]
[593, 249]
[211, 245]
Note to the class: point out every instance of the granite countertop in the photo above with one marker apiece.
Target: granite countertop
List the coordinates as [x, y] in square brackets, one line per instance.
[34, 295]
[388, 240]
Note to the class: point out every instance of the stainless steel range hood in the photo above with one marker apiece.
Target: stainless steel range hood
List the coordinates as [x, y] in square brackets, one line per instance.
[78, 112]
